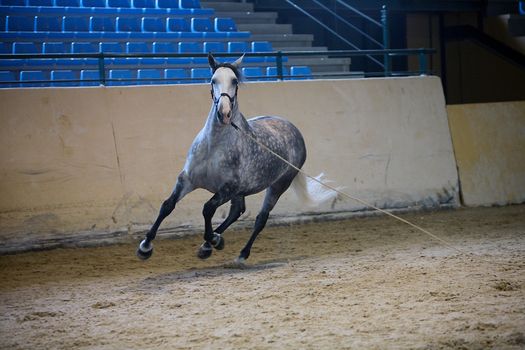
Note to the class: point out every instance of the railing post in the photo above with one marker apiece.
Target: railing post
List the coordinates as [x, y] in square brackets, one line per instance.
[101, 69]
[279, 63]
[386, 39]
[423, 70]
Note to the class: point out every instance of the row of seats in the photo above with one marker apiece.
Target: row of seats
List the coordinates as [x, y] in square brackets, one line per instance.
[138, 76]
[181, 4]
[115, 24]
[21, 47]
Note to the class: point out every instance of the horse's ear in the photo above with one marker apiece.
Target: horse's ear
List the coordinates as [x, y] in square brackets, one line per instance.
[238, 61]
[213, 63]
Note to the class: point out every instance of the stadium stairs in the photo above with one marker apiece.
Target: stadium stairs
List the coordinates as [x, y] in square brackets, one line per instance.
[263, 27]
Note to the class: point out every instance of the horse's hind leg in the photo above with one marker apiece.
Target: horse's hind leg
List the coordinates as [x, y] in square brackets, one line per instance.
[182, 188]
[273, 193]
[237, 208]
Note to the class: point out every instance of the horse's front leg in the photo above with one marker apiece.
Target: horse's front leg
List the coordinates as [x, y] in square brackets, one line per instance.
[182, 188]
[212, 239]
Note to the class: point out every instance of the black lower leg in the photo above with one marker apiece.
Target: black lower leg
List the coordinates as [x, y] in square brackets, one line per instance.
[260, 222]
[209, 210]
[167, 207]
[237, 209]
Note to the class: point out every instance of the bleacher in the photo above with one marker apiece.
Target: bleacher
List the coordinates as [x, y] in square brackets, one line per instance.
[120, 28]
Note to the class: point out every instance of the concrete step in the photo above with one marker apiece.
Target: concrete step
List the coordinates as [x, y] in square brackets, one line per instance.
[222, 6]
[246, 17]
[321, 64]
[281, 41]
[266, 29]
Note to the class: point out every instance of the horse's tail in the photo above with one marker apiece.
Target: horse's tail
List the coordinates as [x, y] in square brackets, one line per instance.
[311, 192]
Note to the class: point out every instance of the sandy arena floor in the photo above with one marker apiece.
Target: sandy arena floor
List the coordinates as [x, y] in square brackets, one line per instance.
[369, 283]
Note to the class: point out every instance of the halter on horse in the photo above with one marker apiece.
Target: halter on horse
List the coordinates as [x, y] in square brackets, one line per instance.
[231, 166]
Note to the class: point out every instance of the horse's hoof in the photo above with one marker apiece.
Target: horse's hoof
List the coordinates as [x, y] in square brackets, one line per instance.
[144, 251]
[218, 242]
[204, 251]
[240, 262]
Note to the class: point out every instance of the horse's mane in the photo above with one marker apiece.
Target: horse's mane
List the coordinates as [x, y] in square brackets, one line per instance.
[235, 69]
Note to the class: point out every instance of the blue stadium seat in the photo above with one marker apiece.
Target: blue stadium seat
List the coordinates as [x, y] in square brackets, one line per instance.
[237, 46]
[153, 24]
[128, 24]
[48, 24]
[75, 24]
[40, 3]
[149, 76]
[137, 47]
[119, 63]
[176, 75]
[177, 25]
[189, 4]
[167, 4]
[70, 3]
[300, 72]
[177, 61]
[125, 74]
[164, 47]
[189, 47]
[89, 74]
[261, 46]
[199, 24]
[57, 75]
[94, 3]
[201, 74]
[6, 76]
[76, 63]
[3, 21]
[139, 4]
[271, 72]
[25, 47]
[6, 48]
[252, 72]
[20, 23]
[83, 47]
[13, 3]
[224, 25]
[33, 75]
[110, 47]
[212, 46]
[102, 24]
[150, 62]
[55, 47]
[119, 3]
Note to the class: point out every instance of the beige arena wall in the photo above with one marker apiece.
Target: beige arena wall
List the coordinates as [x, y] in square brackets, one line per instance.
[84, 165]
[489, 143]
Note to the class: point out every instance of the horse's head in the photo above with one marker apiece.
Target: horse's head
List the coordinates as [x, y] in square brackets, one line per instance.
[224, 85]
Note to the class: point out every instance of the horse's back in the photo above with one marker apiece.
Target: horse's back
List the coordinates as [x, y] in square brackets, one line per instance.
[281, 136]
[259, 168]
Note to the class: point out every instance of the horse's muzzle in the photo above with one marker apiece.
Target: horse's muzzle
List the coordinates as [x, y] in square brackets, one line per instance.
[224, 118]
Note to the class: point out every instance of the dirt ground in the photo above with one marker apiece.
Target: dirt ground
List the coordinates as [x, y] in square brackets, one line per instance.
[368, 283]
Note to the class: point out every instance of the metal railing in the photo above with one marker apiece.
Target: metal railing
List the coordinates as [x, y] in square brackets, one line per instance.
[280, 63]
[383, 25]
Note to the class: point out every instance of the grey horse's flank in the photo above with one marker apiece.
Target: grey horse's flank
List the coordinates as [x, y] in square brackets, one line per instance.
[230, 165]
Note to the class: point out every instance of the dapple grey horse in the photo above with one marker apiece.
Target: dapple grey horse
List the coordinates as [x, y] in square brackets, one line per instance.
[224, 161]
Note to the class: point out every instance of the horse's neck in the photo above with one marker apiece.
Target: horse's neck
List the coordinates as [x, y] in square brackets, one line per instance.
[214, 128]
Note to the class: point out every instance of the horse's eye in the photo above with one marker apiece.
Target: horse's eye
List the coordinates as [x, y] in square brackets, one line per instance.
[213, 82]
[235, 81]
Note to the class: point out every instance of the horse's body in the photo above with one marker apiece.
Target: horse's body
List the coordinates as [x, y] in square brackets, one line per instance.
[224, 161]
[221, 155]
